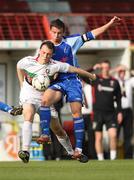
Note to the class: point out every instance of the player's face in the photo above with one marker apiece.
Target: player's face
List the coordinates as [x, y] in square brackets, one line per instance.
[105, 68]
[56, 34]
[122, 74]
[45, 54]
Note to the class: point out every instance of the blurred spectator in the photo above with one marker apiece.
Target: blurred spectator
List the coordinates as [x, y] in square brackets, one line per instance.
[89, 145]
[126, 102]
[106, 90]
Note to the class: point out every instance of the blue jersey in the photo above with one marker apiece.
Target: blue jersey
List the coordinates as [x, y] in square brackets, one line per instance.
[67, 49]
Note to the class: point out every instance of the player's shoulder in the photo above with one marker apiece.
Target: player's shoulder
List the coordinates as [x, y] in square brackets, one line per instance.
[29, 58]
[52, 61]
[114, 79]
[26, 61]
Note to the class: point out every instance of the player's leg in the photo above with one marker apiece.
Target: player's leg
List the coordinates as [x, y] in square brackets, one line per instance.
[49, 98]
[74, 97]
[78, 124]
[97, 126]
[11, 110]
[28, 113]
[111, 125]
[4, 107]
[78, 130]
[59, 132]
[73, 90]
[61, 135]
[112, 132]
[98, 145]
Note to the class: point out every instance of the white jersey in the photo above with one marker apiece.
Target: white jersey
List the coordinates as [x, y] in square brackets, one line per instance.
[31, 67]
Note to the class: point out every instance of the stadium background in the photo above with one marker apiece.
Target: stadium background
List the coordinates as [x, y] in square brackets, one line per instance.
[25, 23]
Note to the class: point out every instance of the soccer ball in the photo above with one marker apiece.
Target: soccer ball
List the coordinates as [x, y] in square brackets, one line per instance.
[40, 82]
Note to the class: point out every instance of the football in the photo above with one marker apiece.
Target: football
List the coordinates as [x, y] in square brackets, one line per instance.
[40, 82]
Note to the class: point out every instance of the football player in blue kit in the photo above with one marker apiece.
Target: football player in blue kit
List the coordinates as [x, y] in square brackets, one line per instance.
[68, 84]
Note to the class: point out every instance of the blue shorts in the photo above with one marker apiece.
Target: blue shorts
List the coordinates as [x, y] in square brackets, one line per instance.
[71, 88]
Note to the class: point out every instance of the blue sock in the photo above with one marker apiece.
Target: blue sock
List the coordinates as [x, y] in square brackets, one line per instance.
[45, 117]
[5, 107]
[79, 131]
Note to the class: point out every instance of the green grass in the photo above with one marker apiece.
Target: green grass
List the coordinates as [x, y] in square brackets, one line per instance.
[68, 170]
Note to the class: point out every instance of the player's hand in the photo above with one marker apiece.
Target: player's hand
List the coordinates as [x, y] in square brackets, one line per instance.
[92, 77]
[97, 66]
[119, 118]
[115, 21]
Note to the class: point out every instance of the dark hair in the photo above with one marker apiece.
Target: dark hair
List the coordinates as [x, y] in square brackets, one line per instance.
[58, 24]
[107, 62]
[49, 44]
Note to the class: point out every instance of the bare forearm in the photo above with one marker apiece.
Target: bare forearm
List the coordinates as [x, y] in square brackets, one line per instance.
[113, 22]
[100, 30]
[81, 72]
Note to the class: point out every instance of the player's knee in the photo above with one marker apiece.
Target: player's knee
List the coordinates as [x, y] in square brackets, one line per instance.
[98, 137]
[45, 102]
[113, 136]
[112, 133]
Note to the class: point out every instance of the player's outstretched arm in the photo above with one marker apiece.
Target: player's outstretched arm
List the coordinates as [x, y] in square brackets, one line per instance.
[113, 22]
[81, 72]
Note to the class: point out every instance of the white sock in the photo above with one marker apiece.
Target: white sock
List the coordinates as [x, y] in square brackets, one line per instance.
[26, 135]
[100, 156]
[113, 154]
[9, 111]
[65, 142]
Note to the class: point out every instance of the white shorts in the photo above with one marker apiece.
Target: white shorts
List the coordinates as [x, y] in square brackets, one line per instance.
[29, 95]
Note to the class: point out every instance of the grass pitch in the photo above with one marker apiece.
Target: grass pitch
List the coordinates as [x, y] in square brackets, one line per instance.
[68, 170]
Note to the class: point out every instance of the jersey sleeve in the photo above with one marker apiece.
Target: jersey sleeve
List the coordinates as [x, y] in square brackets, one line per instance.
[77, 40]
[64, 67]
[61, 67]
[88, 36]
[58, 67]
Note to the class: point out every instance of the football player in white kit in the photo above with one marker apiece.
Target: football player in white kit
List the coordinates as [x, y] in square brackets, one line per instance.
[31, 98]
